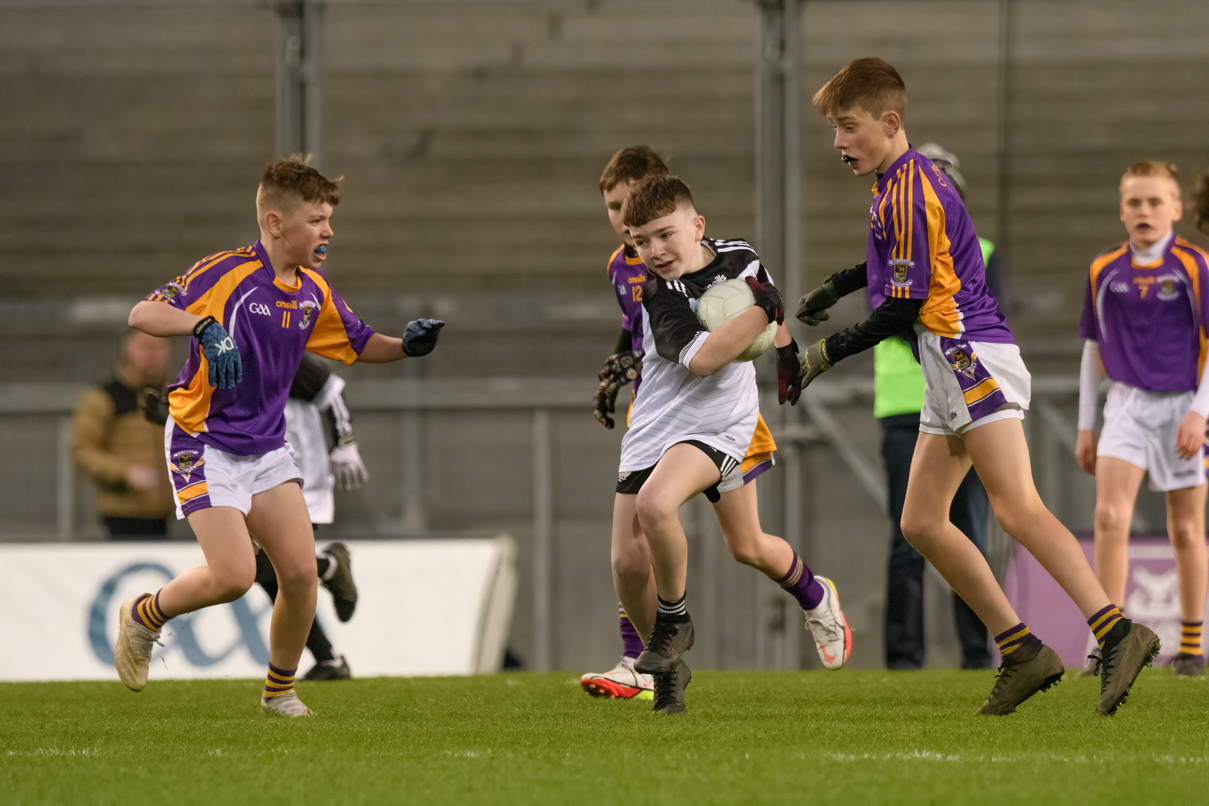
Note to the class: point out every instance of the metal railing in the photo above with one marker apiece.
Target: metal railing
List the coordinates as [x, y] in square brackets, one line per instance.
[411, 400]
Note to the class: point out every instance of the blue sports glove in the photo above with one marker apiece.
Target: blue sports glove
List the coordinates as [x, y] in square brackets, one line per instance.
[226, 367]
[420, 336]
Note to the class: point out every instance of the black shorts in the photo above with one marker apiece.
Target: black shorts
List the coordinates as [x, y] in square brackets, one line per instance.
[630, 482]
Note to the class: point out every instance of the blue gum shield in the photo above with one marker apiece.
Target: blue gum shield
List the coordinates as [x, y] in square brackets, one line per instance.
[320, 250]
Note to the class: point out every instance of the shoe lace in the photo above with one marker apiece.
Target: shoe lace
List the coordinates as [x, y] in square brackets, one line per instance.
[1108, 657]
[826, 623]
[661, 637]
[665, 689]
[1002, 678]
[1096, 663]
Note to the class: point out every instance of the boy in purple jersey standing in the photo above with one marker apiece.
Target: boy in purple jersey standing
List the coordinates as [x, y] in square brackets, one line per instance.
[252, 312]
[925, 280]
[1145, 318]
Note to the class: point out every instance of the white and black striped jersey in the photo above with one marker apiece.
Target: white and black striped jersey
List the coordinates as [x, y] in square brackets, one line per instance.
[314, 395]
[676, 404]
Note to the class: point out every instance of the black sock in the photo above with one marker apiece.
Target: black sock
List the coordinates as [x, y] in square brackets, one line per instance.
[322, 562]
[676, 611]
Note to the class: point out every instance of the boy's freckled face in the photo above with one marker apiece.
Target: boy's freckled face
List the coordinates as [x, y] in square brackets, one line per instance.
[670, 245]
[1150, 206]
[613, 198]
[861, 139]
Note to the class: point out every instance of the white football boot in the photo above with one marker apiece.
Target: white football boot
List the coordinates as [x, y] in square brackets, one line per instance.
[621, 682]
[832, 637]
[286, 704]
[132, 651]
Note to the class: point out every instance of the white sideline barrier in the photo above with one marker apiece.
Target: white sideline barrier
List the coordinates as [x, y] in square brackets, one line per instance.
[426, 607]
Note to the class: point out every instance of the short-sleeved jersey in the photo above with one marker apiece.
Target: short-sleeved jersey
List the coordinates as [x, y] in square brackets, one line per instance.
[628, 275]
[272, 325]
[1150, 321]
[676, 404]
[922, 246]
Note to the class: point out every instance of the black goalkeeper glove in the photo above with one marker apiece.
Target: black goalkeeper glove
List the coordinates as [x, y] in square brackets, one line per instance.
[420, 337]
[815, 362]
[812, 309]
[619, 369]
[768, 299]
[153, 404]
[789, 374]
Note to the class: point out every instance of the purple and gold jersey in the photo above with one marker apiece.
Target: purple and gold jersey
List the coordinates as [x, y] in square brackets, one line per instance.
[272, 324]
[922, 246]
[1150, 321]
[627, 274]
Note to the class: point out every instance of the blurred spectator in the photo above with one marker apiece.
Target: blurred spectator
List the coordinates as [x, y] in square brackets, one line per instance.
[120, 450]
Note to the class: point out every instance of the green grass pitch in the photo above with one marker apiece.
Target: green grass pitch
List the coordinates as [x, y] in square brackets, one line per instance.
[848, 737]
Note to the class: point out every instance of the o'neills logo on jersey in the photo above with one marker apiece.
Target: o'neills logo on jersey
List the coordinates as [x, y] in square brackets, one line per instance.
[899, 269]
[962, 362]
[186, 462]
[308, 308]
[292, 305]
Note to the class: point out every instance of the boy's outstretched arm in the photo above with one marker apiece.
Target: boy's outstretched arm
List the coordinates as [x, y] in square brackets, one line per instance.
[812, 308]
[419, 338]
[891, 318]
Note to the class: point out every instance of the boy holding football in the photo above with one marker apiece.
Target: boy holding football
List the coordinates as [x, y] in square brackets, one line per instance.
[631, 558]
[689, 430]
[925, 278]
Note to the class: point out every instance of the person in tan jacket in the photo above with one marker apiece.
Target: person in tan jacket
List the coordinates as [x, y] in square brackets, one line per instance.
[120, 450]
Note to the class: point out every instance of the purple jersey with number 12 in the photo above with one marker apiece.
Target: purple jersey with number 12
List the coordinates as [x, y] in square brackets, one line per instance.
[627, 273]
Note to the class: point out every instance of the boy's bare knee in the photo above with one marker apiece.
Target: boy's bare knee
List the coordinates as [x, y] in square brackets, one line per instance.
[653, 513]
[235, 583]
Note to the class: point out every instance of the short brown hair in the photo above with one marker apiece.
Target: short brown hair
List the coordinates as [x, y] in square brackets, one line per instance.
[1153, 168]
[1200, 203]
[655, 197]
[631, 164]
[291, 180]
[869, 83]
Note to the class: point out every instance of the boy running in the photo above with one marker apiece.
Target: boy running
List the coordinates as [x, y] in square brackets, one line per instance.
[689, 431]
[631, 560]
[252, 312]
[925, 279]
[1145, 317]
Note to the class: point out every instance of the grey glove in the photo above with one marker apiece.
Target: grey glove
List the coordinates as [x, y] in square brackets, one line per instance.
[347, 466]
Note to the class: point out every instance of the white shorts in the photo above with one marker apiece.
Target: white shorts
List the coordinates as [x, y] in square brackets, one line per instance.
[1140, 428]
[204, 477]
[970, 383]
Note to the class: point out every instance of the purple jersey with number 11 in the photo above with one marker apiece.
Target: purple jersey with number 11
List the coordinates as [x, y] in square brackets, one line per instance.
[922, 245]
[272, 324]
[1149, 321]
[627, 273]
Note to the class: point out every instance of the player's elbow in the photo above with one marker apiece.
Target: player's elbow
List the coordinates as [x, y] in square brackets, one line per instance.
[139, 315]
[705, 363]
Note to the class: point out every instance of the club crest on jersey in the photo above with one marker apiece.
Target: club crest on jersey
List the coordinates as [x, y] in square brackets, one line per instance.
[171, 290]
[899, 269]
[308, 308]
[186, 463]
[1167, 288]
[962, 362]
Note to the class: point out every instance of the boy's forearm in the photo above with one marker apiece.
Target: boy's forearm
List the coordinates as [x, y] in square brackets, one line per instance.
[892, 317]
[849, 280]
[162, 319]
[382, 349]
[724, 344]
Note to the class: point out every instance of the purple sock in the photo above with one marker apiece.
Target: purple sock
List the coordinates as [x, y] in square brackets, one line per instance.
[802, 584]
[629, 636]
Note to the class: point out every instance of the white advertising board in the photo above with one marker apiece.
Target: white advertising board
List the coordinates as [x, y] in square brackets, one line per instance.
[426, 607]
